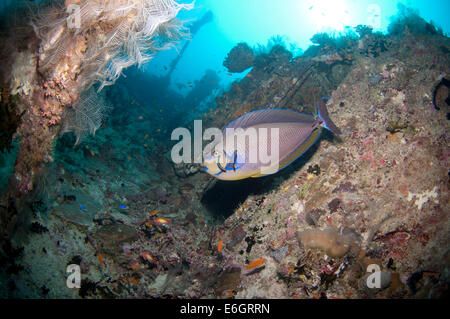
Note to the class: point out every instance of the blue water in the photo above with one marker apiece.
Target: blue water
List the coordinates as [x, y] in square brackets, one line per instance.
[296, 21]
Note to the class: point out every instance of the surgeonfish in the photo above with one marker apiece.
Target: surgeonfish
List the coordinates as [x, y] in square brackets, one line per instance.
[297, 132]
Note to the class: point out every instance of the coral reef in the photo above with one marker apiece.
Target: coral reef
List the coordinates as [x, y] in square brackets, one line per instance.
[71, 46]
[139, 227]
[240, 58]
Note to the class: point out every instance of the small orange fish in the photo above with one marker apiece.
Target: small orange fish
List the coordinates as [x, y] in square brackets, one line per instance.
[135, 266]
[153, 213]
[100, 259]
[160, 221]
[256, 263]
[219, 246]
[148, 257]
[92, 153]
[133, 281]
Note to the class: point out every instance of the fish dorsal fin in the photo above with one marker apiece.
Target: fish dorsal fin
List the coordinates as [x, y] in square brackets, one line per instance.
[267, 116]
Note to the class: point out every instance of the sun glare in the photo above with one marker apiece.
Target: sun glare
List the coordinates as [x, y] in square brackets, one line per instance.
[329, 14]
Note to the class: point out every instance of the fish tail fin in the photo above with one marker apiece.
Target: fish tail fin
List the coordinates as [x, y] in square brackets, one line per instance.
[328, 123]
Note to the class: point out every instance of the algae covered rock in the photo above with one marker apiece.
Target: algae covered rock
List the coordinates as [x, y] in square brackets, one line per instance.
[240, 58]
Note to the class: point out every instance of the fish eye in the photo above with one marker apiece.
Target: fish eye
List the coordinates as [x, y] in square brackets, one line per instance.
[215, 153]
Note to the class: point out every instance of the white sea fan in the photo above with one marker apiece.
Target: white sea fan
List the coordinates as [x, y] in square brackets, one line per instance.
[86, 116]
[120, 33]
